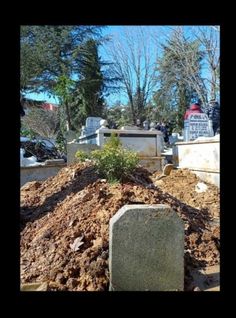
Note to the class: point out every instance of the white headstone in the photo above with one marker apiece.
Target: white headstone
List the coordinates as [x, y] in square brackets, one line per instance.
[152, 126]
[83, 131]
[92, 124]
[146, 125]
[196, 126]
[103, 123]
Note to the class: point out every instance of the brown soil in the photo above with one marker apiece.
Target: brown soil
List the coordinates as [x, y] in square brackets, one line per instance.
[77, 203]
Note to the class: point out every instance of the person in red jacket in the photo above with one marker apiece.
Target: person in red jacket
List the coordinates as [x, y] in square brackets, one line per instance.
[194, 108]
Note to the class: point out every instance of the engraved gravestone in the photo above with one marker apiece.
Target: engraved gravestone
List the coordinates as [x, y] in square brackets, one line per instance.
[197, 125]
[146, 249]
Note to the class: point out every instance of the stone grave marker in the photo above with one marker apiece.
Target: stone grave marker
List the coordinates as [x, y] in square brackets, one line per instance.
[197, 125]
[92, 124]
[146, 249]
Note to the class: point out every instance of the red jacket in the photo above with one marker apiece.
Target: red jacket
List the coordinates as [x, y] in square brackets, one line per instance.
[192, 110]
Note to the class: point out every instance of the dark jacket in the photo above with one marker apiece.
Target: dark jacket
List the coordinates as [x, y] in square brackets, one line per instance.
[22, 112]
[213, 113]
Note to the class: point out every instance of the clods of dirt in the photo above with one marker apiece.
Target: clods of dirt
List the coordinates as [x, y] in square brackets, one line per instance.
[65, 223]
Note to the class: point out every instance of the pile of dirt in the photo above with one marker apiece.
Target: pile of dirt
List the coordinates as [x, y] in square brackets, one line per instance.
[182, 184]
[65, 222]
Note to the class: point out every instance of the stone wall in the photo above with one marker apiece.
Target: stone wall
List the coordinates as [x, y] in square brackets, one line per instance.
[73, 147]
[152, 163]
[201, 156]
[145, 143]
[38, 173]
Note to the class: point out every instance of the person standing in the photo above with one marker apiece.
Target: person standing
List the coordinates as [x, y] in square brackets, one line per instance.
[213, 113]
[158, 126]
[146, 125]
[164, 132]
[194, 108]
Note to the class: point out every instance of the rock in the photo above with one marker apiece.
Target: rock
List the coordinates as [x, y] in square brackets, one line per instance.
[201, 187]
[167, 169]
[31, 186]
[72, 283]
[60, 278]
[34, 287]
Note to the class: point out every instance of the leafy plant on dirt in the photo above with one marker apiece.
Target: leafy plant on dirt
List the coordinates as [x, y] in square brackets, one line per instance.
[82, 156]
[113, 162]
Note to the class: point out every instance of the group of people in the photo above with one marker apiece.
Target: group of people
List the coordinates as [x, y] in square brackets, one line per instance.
[165, 128]
[212, 110]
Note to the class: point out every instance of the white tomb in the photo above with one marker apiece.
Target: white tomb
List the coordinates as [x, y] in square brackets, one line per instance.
[91, 125]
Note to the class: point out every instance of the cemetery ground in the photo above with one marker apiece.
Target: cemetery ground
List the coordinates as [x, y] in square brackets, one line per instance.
[65, 224]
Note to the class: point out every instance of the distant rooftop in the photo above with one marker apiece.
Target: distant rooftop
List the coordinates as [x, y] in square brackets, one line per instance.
[28, 103]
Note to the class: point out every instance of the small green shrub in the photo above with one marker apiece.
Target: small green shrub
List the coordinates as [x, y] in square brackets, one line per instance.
[81, 155]
[113, 162]
[24, 132]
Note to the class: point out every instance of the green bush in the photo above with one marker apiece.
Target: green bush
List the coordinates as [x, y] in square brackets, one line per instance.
[24, 132]
[81, 155]
[113, 162]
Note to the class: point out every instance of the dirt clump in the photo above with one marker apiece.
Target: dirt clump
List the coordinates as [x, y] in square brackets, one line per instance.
[65, 223]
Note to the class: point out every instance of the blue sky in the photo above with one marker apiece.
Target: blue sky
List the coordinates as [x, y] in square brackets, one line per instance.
[109, 31]
[158, 32]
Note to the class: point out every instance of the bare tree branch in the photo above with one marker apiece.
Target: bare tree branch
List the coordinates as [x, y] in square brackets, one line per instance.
[134, 62]
[209, 38]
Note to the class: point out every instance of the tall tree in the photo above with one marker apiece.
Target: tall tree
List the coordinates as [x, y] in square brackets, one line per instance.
[209, 39]
[49, 61]
[64, 61]
[134, 63]
[179, 76]
[96, 81]
[48, 52]
[186, 57]
[91, 83]
[64, 89]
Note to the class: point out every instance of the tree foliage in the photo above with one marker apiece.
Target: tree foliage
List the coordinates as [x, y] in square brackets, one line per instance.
[88, 95]
[64, 91]
[63, 61]
[120, 115]
[179, 78]
[42, 122]
[48, 52]
[209, 39]
[134, 65]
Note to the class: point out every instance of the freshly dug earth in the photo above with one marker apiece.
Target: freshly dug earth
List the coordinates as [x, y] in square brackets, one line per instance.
[65, 222]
